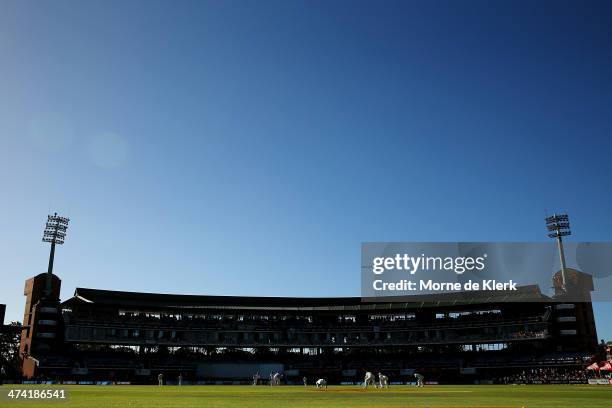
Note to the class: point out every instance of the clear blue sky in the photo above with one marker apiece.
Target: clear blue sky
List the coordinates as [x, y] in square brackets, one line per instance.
[249, 147]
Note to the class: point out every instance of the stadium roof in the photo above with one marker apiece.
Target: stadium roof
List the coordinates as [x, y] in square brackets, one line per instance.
[159, 301]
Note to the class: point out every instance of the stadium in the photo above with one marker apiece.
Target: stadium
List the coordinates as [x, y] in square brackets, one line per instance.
[480, 337]
[102, 335]
[227, 344]
[489, 338]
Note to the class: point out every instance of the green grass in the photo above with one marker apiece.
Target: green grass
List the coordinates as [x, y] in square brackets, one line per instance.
[335, 396]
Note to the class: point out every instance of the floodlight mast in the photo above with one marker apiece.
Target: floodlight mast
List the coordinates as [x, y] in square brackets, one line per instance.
[558, 226]
[54, 233]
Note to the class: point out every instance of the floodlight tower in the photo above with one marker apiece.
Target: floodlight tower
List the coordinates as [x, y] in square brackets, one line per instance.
[54, 233]
[558, 227]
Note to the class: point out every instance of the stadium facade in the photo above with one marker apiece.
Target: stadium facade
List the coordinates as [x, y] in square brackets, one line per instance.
[130, 336]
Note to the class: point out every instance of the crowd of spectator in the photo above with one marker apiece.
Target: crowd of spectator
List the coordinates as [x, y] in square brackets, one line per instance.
[549, 375]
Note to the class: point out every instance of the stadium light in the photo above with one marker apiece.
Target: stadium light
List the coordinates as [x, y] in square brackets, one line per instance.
[54, 233]
[558, 226]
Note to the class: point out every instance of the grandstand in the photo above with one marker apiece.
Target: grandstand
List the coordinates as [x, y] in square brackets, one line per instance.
[131, 336]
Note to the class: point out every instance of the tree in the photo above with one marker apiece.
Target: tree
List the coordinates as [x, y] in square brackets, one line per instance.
[10, 359]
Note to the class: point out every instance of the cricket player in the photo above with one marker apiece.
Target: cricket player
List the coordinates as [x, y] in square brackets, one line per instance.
[419, 379]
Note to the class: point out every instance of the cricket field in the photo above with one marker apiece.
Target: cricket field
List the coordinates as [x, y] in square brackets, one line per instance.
[554, 396]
